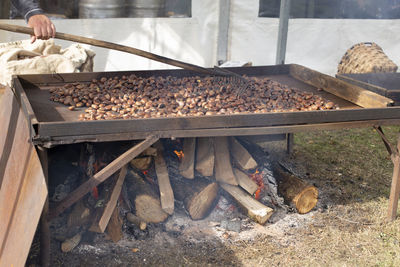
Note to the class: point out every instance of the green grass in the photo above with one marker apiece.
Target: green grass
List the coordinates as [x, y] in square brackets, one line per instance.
[353, 173]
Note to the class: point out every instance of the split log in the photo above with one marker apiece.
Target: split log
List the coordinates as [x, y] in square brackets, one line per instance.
[241, 156]
[245, 182]
[164, 185]
[100, 223]
[146, 201]
[254, 209]
[205, 156]
[223, 166]
[186, 167]
[198, 195]
[71, 243]
[114, 227]
[136, 221]
[150, 151]
[141, 163]
[296, 192]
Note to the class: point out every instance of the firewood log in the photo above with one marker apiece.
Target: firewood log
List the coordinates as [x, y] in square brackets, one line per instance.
[296, 192]
[205, 156]
[254, 209]
[223, 166]
[198, 195]
[114, 227]
[241, 156]
[164, 185]
[146, 201]
[245, 182]
[136, 221]
[186, 167]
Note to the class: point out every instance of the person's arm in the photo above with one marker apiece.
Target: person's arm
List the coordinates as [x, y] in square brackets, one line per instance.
[43, 28]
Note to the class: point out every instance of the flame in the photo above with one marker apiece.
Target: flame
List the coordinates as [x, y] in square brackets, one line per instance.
[95, 193]
[179, 154]
[258, 179]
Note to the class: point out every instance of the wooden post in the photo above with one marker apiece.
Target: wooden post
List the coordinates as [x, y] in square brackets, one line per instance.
[205, 156]
[223, 166]
[44, 224]
[186, 167]
[395, 187]
[100, 224]
[166, 194]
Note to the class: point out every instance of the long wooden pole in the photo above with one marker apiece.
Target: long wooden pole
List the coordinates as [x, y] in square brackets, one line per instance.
[109, 45]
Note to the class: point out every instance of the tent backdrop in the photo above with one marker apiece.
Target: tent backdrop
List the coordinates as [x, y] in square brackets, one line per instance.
[315, 43]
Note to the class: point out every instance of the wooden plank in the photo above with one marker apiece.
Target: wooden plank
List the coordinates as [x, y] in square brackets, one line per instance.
[245, 182]
[102, 175]
[205, 156]
[100, 225]
[245, 131]
[186, 167]
[9, 111]
[352, 93]
[114, 228]
[241, 155]
[53, 129]
[254, 209]
[223, 166]
[362, 84]
[395, 187]
[166, 194]
[23, 190]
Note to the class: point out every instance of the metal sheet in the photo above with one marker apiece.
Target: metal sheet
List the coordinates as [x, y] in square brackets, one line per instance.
[56, 121]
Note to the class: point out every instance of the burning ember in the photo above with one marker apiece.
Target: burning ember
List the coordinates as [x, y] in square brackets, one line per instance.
[257, 177]
[179, 154]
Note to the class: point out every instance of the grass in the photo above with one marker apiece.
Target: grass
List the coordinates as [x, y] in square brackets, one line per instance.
[352, 170]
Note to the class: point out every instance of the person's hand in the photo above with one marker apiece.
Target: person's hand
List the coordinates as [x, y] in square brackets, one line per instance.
[42, 26]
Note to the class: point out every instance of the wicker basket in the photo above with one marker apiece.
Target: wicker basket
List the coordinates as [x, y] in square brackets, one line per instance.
[365, 58]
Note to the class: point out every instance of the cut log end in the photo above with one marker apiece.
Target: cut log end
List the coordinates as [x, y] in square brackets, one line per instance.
[149, 209]
[200, 204]
[306, 200]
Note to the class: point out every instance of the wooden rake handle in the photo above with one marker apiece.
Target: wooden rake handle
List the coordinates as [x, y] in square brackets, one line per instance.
[109, 45]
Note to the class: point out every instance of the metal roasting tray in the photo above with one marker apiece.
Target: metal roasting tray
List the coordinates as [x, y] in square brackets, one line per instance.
[53, 124]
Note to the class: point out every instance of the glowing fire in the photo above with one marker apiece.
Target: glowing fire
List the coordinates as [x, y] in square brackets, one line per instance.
[179, 154]
[257, 177]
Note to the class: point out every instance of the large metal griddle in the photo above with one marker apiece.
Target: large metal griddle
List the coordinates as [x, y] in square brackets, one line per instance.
[52, 123]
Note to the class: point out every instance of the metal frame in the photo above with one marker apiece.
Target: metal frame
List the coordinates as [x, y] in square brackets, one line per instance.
[223, 31]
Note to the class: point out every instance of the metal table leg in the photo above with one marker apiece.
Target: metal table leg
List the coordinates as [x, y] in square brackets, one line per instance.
[44, 224]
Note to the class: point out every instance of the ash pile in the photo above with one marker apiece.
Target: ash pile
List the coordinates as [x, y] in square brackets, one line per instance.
[224, 183]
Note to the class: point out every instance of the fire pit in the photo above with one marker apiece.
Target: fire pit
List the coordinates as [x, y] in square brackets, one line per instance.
[52, 124]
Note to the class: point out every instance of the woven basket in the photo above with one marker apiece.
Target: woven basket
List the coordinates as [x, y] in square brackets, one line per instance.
[365, 58]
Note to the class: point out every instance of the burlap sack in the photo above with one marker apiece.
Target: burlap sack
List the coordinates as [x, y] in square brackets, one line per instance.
[42, 57]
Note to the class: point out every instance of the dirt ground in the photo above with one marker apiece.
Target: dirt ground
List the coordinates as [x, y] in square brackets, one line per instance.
[352, 171]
